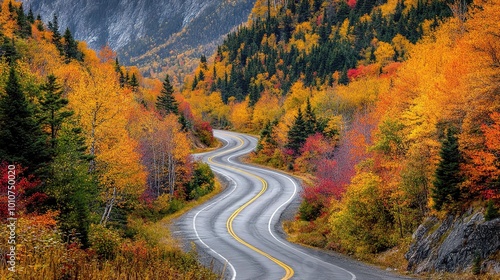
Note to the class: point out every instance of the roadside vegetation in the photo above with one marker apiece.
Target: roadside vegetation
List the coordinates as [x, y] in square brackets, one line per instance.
[93, 157]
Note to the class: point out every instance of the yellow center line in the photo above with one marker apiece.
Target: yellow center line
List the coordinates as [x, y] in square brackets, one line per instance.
[229, 224]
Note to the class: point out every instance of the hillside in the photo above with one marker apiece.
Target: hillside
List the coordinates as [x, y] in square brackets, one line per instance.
[157, 36]
[388, 109]
[81, 138]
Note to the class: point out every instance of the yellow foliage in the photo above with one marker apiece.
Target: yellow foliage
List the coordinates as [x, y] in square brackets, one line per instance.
[384, 53]
[241, 115]
[266, 109]
[402, 46]
[297, 96]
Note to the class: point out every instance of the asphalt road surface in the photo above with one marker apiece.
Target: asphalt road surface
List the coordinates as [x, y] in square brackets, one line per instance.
[239, 231]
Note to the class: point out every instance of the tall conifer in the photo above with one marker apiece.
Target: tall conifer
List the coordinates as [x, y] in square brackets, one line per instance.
[166, 103]
[446, 184]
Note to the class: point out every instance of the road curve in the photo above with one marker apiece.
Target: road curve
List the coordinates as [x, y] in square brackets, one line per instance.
[238, 227]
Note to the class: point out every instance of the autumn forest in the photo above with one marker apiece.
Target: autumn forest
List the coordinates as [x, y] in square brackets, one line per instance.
[388, 111]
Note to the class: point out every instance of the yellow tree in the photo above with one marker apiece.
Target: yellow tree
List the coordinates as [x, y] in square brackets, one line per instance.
[102, 109]
[240, 115]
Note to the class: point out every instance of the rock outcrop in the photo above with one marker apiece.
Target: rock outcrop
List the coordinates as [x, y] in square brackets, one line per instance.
[455, 244]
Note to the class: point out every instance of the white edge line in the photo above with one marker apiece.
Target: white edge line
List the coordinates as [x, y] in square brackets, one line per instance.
[198, 236]
[233, 270]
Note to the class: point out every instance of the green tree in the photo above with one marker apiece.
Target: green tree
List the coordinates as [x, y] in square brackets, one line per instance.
[203, 62]
[70, 187]
[52, 105]
[446, 183]
[134, 83]
[303, 12]
[23, 22]
[71, 47]
[166, 103]
[8, 50]
[56, 35]
[202, 182]
[491, 211]
[297, 134]
[21, 139]
[310, 120]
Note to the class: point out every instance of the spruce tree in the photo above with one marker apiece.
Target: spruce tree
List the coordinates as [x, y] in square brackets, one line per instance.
[303, 12]
[31, 16]
[297, 134]
[71, 47]
[8, 50]
[56, 35]
[344, 79]
[134, 83]
[52, 106]
[24, 30]
[446, 184]
[166, 103]
[39, 23]
[310, 120]
[21, 139]
[70, 186]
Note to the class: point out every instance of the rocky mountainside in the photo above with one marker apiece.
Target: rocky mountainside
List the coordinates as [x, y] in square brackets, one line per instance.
[456, 244]
[147, 33]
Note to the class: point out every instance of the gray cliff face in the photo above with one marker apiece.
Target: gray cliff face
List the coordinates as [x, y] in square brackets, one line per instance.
[142, 31]
[453, 244]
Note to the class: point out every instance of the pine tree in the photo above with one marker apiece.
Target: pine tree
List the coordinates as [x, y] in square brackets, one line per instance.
[297, 134]
[39, 23]
[52, 106]
[31, 16]
[8, 50]
[446, 184]
[310, 120]
[344, 79]
[70, 187]
[21, 139]
[166, 103]
[203, 62]
[134, 83]
[56, 35]
[303, 11]
[24, 30]
[71, 47]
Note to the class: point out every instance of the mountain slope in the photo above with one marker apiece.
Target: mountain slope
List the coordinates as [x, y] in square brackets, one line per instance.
[147, 33]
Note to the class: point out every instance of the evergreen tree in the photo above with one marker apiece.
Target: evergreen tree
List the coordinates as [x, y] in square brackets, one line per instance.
[56, 35]
[134, 83]
[118, 69]
[21, 139]
[446, 184]
[195, 82]
[52, 106]
[31, 16]
[491, 211]
[71, 47]
[344, 79]
[166, 103]
[8, 50]
[310, 120]
[24, 30]
[303, 12]
[70, 187]
[39, 23]
[201, 76]
[203, 62]
[297, 134]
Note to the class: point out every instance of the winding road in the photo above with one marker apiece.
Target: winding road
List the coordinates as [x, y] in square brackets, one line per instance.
[240, 228]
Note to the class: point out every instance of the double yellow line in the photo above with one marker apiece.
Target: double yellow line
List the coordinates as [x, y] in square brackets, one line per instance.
[229, 224]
